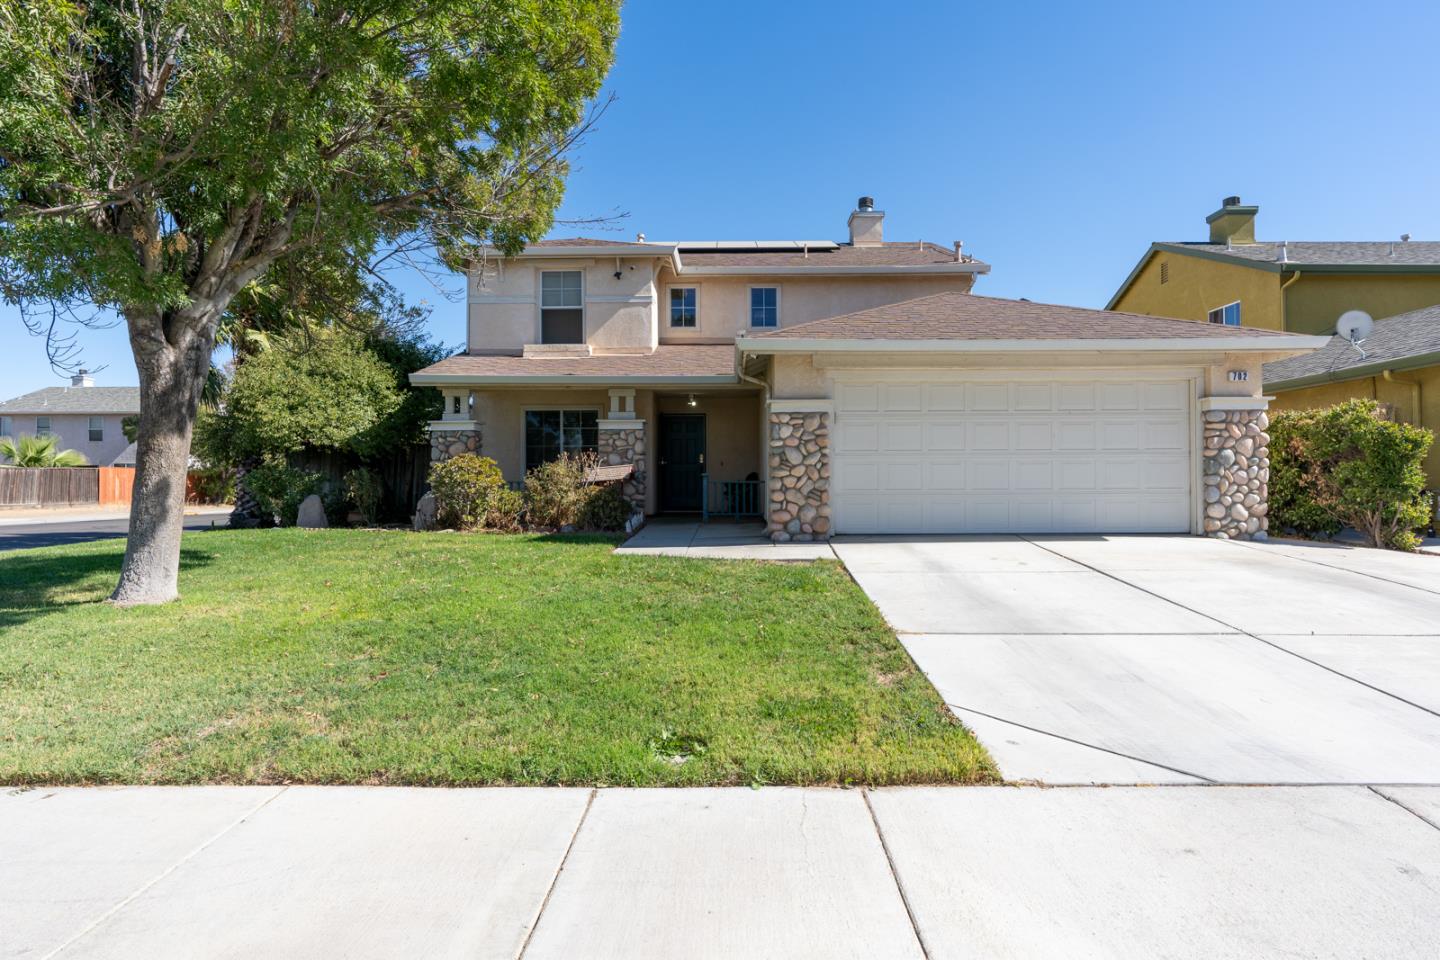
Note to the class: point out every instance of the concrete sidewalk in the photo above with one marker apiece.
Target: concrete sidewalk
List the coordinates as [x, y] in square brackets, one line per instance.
[360, 872]
[719, 540]
[27, 517]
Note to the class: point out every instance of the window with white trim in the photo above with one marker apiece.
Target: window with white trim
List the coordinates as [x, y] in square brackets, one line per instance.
[42, 426]
[562, 307]
[1229, 314]
[97, 429]
[764, 306]
[549, 433]
[683, 303]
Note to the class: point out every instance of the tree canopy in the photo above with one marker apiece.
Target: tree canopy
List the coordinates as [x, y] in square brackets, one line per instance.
[159, 157]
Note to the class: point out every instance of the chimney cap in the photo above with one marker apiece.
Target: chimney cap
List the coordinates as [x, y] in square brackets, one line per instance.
[1230, 202]
[866, 204]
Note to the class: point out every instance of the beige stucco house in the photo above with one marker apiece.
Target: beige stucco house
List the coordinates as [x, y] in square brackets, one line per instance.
[83, 416]
[857, 387]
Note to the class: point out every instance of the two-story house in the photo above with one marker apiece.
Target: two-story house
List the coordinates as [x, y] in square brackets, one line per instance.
[855, 387]
[82, 416]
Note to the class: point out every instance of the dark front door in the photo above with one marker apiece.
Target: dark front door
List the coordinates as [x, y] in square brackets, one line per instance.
[682, 460]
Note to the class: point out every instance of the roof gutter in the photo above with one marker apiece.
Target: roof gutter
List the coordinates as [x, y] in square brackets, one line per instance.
[1282, 344]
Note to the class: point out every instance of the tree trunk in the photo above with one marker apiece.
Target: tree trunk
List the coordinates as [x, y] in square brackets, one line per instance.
[172, 374]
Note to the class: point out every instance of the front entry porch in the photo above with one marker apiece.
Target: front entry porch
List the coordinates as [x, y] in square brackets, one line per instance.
[680, 536]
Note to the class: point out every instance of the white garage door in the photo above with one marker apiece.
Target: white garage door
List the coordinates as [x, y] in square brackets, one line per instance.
[1023, 456]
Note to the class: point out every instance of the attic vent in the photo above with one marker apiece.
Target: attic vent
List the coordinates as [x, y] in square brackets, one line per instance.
[1164, 271]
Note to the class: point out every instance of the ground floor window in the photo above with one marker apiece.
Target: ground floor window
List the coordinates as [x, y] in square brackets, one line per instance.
[549, 433]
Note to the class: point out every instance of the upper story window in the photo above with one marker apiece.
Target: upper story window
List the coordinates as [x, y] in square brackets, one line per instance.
[682, 306]
[764, 306]
[562, 307]
[1228, 314]
[97, 429]
[42, 426]
[5, 427]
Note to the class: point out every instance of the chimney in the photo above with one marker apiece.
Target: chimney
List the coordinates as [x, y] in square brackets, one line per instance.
[1233, 222]
[82, 378]
[866, 224]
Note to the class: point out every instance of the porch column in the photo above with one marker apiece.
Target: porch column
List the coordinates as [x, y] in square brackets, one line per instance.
[798, 503]
[1235, 469]
[455, 432]
[623, 441]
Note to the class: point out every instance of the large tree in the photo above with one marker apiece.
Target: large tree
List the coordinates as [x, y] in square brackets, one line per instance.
[159, 156]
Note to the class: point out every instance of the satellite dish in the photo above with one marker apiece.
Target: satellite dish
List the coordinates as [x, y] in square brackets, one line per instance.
[1354, 325]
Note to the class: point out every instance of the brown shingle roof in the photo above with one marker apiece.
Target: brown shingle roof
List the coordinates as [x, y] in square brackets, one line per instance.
[965, 316]
[581, 242]
[1327, 253]
[668, 362]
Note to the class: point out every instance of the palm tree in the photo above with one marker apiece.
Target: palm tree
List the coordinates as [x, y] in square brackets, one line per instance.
[39, 451]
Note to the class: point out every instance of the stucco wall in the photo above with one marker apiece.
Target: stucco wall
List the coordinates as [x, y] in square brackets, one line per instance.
[74, 433]
[504, 303]
[724, 302]
[1315, 301]
[1400, 395]
[501, 416]
[1196, 286]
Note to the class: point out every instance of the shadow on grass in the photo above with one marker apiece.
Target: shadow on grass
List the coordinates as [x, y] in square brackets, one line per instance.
[30, 582]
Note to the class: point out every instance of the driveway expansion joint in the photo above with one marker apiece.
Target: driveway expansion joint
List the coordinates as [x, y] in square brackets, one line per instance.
[1237, 630]
[1329, 566]
[1375, 789]
[894, 874]
[554, 880]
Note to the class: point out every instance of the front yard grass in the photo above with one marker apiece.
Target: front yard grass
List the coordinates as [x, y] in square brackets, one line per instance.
[388, 657]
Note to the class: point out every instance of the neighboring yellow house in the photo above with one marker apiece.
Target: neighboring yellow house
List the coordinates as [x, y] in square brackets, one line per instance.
[1397, 364]
[1304, 287]
[1295, 286]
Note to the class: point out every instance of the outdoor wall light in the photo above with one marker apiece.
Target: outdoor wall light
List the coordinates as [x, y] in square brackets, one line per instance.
[692, 400]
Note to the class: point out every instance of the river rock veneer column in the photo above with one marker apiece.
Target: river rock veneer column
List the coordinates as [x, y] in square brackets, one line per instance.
[447, 443]
[1236, 474]
[623, 441]
[799, 487]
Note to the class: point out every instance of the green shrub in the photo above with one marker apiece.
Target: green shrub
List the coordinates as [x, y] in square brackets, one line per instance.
[505, 510]
[279, 489]
[213, 484]
[367, 491]
[463, 487]
[556, 491]
[605, 508]
[1292, 505]
[1359, 469]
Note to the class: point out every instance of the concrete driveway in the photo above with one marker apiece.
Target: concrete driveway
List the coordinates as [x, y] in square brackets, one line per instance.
[1173, 659]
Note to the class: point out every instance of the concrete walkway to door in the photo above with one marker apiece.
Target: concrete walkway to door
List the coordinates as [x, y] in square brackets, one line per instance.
[1173, 659]
[719, 540]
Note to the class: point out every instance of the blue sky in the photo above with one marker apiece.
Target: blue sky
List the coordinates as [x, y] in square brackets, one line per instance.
[1056, 139]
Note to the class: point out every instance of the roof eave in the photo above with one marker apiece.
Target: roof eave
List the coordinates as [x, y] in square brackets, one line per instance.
[1357, 372]
[1294, 344]
[445, 379]
[970, 267]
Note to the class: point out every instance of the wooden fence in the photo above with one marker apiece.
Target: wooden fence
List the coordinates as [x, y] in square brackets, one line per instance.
[48, 486]
[116, 483]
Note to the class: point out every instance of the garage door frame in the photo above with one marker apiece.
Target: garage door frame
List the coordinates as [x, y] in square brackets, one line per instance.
[1193, 376]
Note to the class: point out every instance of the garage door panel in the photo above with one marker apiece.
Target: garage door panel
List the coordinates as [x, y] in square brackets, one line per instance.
[1031, 435]
[902, 435]
[1016, 456]
[1075, 435]
[990, 435]
[945, 435]
[943, 397]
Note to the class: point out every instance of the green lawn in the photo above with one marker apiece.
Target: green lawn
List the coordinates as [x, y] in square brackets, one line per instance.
[356, 656]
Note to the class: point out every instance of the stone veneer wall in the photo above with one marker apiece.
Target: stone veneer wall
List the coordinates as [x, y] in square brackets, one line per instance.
[1236, 474]
[799, 487]
[445, 444]
[618, 445]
